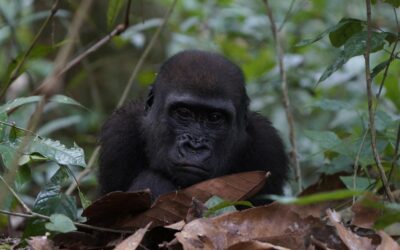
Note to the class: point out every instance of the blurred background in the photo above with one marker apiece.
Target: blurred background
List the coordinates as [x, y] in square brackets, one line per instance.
[333, 111]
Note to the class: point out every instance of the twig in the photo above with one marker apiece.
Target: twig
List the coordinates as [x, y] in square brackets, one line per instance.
[123, 98]
[144, 55]
[371, 111]
[41, 216]
[395, 154]
[21, 62]
[287, 16]
[27, 209]
[53, 82]
[357, 160]
[286, 102]
[19, 128]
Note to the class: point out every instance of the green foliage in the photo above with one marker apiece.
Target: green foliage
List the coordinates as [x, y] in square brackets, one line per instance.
[316, 198]
[114, 8]
[217, 206]
[60, 223]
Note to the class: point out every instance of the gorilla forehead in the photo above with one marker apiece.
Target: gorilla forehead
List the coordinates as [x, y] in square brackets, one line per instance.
[204, 73]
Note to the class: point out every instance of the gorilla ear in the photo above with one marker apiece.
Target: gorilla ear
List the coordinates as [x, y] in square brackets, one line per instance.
[150, 98]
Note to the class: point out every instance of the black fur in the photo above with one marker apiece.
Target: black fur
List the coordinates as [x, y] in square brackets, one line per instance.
[175, 138]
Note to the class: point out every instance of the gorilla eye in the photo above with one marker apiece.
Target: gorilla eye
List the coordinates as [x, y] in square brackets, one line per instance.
[215, 117]
[183, 113]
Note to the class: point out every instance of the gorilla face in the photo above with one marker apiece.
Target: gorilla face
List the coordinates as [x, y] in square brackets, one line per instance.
[198, 135]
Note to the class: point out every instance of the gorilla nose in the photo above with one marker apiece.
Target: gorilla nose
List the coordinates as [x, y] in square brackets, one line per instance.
[196, 149]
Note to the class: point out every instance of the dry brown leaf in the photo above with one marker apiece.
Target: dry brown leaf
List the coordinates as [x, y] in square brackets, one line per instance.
[351, 240]
[273, 221]
[255, 245]
[41, 243]
[387, 242]
[108, 208]
[173, 207]
[365, 216]
[133, 241]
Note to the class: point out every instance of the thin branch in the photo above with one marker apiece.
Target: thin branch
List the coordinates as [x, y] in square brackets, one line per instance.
[395, 154]
[357, 160]
[286, 102]
[53, 83]
[371, 111]
[45, 217]
[287, 16]
[124, 96]
[144, 55]
[27, 209]
[19, 128]
[21, 62]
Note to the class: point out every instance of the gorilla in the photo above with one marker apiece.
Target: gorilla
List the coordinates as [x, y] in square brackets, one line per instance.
[194, 125]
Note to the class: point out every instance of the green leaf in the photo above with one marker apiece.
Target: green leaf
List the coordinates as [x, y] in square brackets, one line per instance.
[362, 183]
[84, 200]
[332, 105]
[316, 198]
[60, 223]
[113, 9]
[326, 139]
[9, 106]
[23, 177]
[61, 176]
[217, 206]
[52, 150]
[3, 127]
[346, 28]
[340, 61]
[15, 133]
[7, 154]
[342, 23]
[50, 201]
[394, 3]
[378, 68]
[355, 46]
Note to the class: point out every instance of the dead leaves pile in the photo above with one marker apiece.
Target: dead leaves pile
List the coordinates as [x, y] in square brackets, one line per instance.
[174, 221]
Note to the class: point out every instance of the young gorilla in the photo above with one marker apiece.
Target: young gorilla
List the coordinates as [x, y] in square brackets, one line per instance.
[195, 125]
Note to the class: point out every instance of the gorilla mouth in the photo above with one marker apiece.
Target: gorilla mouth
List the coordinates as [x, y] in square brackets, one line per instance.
[192, 169]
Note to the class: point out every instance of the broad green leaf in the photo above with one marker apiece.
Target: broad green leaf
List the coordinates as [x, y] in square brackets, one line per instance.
[113, 9]
[378, 68]
[394, 3]
[23, 177]
[7, 153]
[3, 127]
[84, 200]
[357, 44]
[340, 61]
[343, 32]
[52, 150]
[316, 198]
[362, 183]
[326, 139]
[61, 176]
[332, 105]
[50, 201]
[217, 206]
[60, 223]
[32, 99]
[15, 133]
[342, 23]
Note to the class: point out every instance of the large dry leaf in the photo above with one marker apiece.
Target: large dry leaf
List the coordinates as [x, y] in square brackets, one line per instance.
[112, 206]
[133, 241]
[351, 240]
[277, 221]
[387, 242]
[173, 207]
